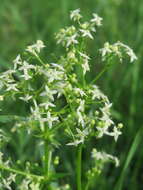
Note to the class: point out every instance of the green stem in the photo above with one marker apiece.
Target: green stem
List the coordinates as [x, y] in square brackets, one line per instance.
[100, 74]
[79, 162]
[48, 157]
[2, 167]
[87, 186]
[40, 60]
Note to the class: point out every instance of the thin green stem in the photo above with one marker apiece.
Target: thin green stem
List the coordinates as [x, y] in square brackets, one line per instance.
[40, 60]
[48, 157]
[87, 185]
[3, 167]
[79, 164]
[100, 74]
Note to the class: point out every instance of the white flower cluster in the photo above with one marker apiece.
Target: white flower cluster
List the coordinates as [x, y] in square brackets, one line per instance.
[104, 157]
[28, 184]
[6, 183]
[59, 100]
[118, 49]
[35, 48]
[71, 35]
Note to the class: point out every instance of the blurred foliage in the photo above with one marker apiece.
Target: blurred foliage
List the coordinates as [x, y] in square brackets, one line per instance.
[22, 22]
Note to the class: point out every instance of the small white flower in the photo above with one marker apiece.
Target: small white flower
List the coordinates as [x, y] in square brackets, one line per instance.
[132, 55]
[11, 87]
[26, 98]
[106, 108]
[80, 109]
[75, 143]
[7, 75]
[84, 56]
[128, 51]
[75, 15]
[39, 45]
[49, 93]
[25, 184]
[79, 91]
[82, 134]
[35, 111]
[104, 157]
[106, 49]
[50, 119]
[86, 33]
[17, 61]
[115, 133]
[35, 186]
[26, 66]
[53, 75]
[58, 66]
[85, 66]
[36, 48]
[71, 40]
[96, 93]
[46, 105]
[96, 19]
[81, 106]
[102, 130]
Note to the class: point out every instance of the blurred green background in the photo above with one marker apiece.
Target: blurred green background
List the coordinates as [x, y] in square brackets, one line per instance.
[22, 22]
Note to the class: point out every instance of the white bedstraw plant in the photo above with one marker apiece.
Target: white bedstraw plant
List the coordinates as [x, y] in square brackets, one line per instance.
[83, 114]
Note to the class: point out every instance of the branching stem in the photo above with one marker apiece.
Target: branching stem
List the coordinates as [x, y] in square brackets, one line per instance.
[79, 164]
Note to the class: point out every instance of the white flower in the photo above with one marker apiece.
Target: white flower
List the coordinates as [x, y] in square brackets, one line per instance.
[75, 15]
[17, 61]
[50, 119]
[35, 111]
[104, 157]
[102, 130]
[75, 143]
[26, 98]
[36, 48]
[115, 133]
[82, 134]
[11, 86]
[35, 186]
[117, 49]
[79, 114]
[58, 66]
[86, 33]
[26, 66]
[71, 40]
[7, 76]
[26, 75]
[25, 184]
[106, 109]
[81, 106]
[80, 119]
[85, 66]
[49, 93]
[46, 105]
[106, 49]
[132, 55]
[96, 93]
[39, 45]
[53, 75]
[96, 19]
[79, 91]
[129, 51]
[84, 56]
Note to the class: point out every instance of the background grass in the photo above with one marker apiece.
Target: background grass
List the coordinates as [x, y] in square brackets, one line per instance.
[22, 22]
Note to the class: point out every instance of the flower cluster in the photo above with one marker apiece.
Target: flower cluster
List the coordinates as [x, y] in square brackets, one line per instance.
[60, 103]
[117, 49]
